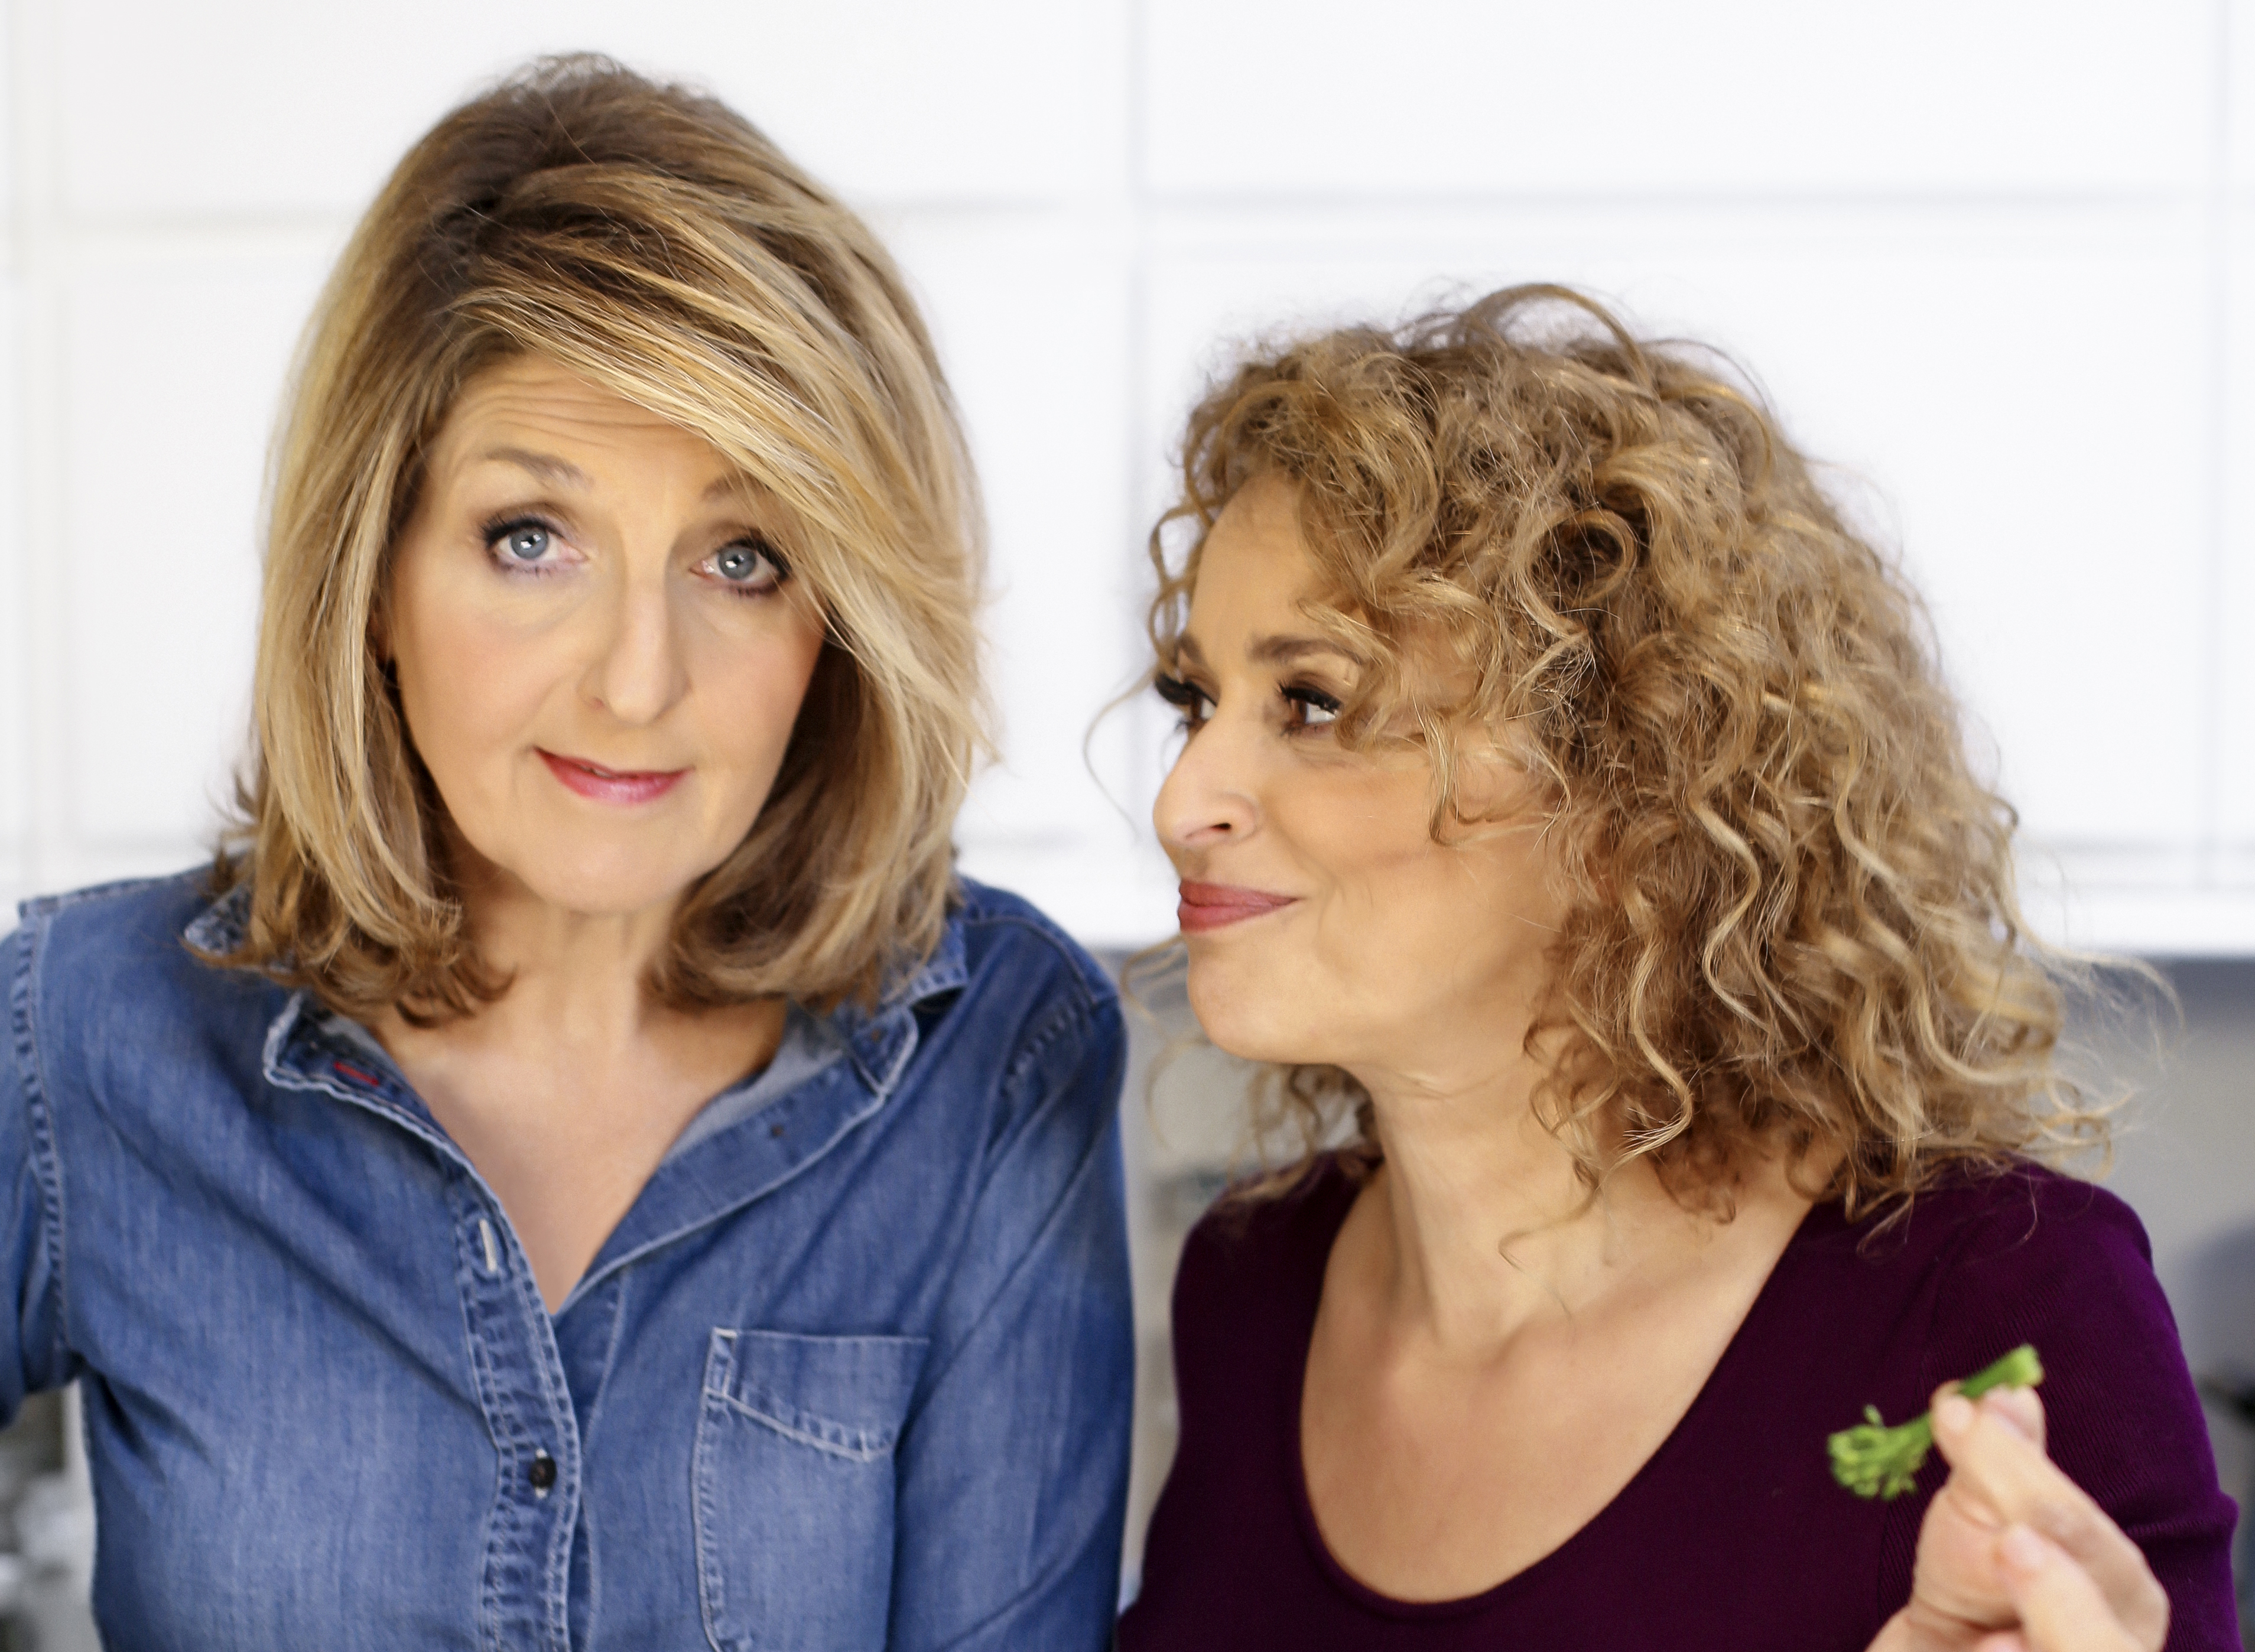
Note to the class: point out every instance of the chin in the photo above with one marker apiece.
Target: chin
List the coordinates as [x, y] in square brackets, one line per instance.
[605, 885]
[1240, 1017]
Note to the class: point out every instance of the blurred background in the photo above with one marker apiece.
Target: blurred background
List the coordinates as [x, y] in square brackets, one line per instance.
[1993, 260]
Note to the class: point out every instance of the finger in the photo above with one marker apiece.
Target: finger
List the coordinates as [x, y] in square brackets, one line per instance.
[2061, 1607]
[1998, 1473]
[1996, 1459]
[2022, 1407]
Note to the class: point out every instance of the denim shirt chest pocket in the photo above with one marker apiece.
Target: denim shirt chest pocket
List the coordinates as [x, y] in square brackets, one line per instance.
[794, 1487]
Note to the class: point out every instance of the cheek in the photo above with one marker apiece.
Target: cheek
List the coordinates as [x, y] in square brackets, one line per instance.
[467, 683]
[1404, 911]
[751, 693]
[1374, 841]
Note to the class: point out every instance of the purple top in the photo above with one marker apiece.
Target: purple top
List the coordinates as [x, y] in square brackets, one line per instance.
[1733, 1535]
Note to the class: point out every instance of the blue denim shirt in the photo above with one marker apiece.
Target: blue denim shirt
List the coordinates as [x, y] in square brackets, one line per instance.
[854, 1371]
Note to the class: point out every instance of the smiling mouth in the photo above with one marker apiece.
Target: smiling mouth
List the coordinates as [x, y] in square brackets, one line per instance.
[1205, 906]
[593, 780]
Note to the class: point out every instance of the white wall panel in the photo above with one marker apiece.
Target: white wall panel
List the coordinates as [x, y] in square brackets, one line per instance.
[176, 366]
[1027, 311]
[1646, 97]
[264, 107]
[1969, 249]
[1027, 316]
[2026, 403]
[16, 619]
[2234, 630]
[2238, 21]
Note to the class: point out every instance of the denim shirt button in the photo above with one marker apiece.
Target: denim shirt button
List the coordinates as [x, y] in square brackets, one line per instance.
[542, 1472]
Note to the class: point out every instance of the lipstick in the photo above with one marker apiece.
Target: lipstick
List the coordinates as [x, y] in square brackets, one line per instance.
[1205, 906]
[593, 780]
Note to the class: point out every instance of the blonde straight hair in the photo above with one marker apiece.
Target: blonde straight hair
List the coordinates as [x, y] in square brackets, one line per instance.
[650, 240]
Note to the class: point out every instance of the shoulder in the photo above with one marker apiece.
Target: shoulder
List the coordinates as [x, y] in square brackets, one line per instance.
[1978, 1263]
[108, 971]
[1006, 939]
[1022, 997]
[1012, 1015]
[1245, 1299]
[1997, 1223]
[115, 933]
[1982, 1260]
[2028, 1255]
[1998, 1233]
[1251, 1249]
[132, 907]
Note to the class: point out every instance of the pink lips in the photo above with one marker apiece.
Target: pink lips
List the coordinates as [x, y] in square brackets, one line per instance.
[1212, 905]
[611, 785]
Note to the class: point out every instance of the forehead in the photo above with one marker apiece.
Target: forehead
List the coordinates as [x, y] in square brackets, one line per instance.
[1254, 561]
[531, 403]
[1257, 594]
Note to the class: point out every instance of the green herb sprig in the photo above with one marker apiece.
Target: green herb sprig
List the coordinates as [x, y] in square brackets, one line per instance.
[1873, 1461]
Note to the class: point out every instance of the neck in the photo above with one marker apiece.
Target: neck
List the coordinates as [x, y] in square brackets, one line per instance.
[576, 976]
[1482, 1224]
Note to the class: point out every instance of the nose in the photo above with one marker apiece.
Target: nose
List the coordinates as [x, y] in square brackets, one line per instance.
[1207, 800]
[635, 669]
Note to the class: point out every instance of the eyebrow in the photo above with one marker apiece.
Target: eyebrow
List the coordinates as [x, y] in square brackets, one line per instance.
[1273, 650]
[565, 474]
[547, 467]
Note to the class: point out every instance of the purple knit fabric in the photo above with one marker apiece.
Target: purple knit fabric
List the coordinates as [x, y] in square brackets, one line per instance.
[1733, 1535]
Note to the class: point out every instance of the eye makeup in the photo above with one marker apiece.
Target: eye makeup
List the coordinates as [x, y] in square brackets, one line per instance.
[521, 543]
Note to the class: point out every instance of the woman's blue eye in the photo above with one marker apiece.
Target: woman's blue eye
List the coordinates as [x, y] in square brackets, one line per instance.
[527, 542]
[749, 565]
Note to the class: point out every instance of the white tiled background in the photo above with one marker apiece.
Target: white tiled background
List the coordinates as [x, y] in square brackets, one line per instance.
[1992, 258]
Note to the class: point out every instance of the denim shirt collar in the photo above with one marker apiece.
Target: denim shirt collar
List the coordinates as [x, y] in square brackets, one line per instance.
[879, 1039]
[306, 1051]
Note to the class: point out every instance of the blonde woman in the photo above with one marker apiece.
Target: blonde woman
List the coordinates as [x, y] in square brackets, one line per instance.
[588, 1173]
[1571, 809]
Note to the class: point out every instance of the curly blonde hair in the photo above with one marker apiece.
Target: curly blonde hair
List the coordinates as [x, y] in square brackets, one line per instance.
[1792, 920]
[650, 240]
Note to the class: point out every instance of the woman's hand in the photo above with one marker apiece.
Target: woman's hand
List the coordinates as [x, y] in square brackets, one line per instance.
[2012, 1555]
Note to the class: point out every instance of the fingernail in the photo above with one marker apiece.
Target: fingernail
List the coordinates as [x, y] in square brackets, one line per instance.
[2023, 1551]
[2058, 1524]
[1954, 1415]
[2002, 1406]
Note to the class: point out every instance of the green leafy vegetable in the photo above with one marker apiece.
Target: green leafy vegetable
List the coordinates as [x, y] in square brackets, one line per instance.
[1873, 1461]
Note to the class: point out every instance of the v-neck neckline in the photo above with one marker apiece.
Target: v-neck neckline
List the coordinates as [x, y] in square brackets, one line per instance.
[1817, 1219]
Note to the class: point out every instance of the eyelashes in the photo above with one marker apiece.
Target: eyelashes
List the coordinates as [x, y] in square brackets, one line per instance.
[747, 566]
[1308, 707]
[1178, 693]
[518, 543]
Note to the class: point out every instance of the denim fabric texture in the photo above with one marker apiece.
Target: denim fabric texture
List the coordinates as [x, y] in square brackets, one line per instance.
[854, 1372]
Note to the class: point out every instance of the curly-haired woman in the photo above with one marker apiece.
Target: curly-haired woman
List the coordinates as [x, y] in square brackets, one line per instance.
[1573, 814]
[591, 1174]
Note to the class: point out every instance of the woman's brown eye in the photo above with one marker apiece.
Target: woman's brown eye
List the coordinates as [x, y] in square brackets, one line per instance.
[1316, 707]
[1182, 697]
